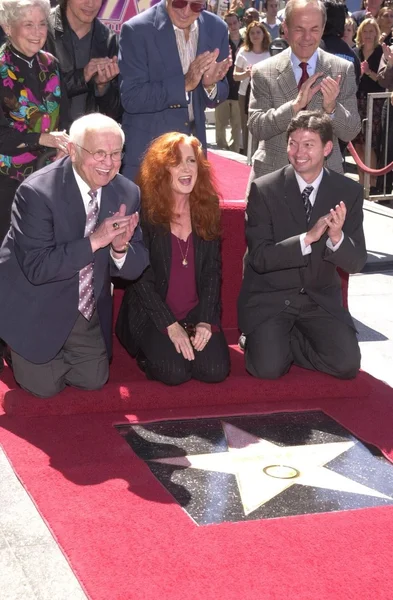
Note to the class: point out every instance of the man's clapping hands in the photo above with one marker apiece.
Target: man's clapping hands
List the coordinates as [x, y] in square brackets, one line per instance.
[332, 223]
[205, 68]
[116, 230]
[329, 88]
[102, 69]
[335, 222]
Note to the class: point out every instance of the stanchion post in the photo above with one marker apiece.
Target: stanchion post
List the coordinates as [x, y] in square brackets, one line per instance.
[382, 195]
[387, 125]
[249, 149]
[368, 138]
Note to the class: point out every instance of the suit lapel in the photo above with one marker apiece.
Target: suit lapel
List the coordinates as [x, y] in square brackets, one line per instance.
[198, 252]
[293, 198]
[203, 41]
[76, 214]
[165, 40]
[286, 78]
[161, 245]
[323, 66]
[109, 203]
[98, 43]
[165, 248]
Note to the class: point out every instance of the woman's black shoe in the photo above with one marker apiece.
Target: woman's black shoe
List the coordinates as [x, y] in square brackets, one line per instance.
[141, 361]
[3, 348]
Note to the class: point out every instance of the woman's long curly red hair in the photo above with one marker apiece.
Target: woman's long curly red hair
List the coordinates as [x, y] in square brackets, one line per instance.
[154, 179]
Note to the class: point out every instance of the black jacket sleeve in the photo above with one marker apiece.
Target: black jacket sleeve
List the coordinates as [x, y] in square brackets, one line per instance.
[14, 142]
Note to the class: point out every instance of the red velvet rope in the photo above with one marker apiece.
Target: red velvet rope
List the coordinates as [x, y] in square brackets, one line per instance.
[361, 164]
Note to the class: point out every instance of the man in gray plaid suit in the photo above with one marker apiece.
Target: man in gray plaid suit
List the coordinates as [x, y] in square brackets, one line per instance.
[303, 77]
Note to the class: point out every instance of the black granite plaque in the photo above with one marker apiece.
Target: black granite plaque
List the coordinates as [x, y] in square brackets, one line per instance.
[262, 466]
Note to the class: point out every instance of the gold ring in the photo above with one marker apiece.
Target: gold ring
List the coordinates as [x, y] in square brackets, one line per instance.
[115, 225]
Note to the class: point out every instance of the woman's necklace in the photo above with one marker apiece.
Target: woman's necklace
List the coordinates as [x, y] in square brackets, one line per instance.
[29, 62]
[184, 262]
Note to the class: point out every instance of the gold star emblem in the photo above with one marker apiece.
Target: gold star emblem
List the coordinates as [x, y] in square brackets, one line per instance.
[263, 469]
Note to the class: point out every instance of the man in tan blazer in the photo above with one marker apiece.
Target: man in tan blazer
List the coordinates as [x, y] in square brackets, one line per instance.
[303, 77]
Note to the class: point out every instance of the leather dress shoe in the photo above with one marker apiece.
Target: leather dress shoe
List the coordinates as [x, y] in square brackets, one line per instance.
[242, 342]
[7, 357]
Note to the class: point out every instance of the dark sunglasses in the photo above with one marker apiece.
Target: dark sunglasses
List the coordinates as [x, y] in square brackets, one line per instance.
[196, 7]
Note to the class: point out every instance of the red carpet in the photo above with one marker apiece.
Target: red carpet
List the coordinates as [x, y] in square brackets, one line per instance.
[231, 176]
[128, 391]
[126, 539]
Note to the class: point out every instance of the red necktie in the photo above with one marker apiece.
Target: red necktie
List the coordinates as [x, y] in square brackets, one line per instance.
[304, 76]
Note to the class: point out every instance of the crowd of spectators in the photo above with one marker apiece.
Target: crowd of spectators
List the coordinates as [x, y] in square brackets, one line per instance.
[346, 35]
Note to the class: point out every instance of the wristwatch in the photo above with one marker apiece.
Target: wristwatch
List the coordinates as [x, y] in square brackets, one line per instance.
[123, 251]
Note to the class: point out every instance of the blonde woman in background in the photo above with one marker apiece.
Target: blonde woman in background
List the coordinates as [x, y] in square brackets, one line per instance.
[370, 53]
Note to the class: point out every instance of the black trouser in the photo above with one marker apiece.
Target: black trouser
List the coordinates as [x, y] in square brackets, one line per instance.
[163, 363]
[8, 188]
[304, 334]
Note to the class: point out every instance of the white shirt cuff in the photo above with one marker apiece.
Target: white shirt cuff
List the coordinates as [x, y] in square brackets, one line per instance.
[329, 243]
[305, 249]
[119, 262]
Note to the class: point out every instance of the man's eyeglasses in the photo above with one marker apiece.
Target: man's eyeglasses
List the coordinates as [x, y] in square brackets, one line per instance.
[101, 155]
[196, 7]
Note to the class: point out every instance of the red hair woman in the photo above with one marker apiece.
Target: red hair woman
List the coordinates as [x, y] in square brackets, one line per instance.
[170, 317]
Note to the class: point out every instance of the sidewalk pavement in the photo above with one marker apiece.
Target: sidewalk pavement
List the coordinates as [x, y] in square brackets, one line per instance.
[32, 566]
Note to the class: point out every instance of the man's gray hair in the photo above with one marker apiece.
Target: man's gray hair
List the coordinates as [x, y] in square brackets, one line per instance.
[92, 123]
[12, 11]
[293, 4]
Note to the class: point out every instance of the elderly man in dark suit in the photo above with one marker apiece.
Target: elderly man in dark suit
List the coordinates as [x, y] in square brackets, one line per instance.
[303, 221]
[74, 224]
[173, 60]
[303, 77]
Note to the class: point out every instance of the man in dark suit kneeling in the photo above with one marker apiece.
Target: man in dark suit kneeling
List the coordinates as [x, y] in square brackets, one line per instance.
[74, 224]
[302, 222]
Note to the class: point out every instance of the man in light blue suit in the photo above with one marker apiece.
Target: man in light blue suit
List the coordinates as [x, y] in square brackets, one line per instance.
[173, 60]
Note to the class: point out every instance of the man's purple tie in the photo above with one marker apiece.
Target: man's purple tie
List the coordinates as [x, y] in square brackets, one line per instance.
[304, 75]
[86, 304]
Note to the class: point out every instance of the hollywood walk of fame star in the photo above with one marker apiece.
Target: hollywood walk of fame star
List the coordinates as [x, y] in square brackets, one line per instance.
[263, 469]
